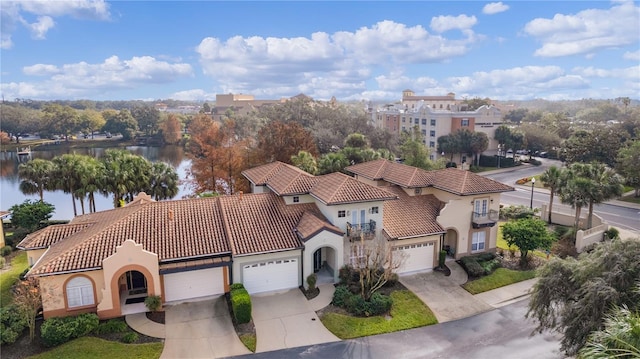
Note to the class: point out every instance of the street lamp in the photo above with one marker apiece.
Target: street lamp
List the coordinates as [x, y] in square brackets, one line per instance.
[533, 182]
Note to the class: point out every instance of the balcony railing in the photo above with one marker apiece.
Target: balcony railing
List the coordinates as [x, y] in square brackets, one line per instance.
[482, 220]
[366, 230]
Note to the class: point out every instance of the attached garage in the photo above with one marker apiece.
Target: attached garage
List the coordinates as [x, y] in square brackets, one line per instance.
[193, 284]
[417, 256]
[270, 275]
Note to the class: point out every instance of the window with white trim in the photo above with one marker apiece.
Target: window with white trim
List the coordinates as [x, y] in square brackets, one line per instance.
[481, 208]
[357, 256]
[79, 292]
[296, 199]
[477, 241]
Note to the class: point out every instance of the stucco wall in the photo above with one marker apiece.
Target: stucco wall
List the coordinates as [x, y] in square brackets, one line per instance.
[34, 255]
[304, 198]
[333, 257]
[53, 293]
[239, 262]
[331, 213]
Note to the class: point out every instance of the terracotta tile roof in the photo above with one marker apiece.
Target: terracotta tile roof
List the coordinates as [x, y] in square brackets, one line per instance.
[50, 235]
[290, 180]
[172, 229]
[411, 216]
[310, 225]
[338, 188]
[262, 222]
[261, 174]
[452, 180]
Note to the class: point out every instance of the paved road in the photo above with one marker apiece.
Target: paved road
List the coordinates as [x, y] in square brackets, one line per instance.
[621, 217]
[497, 334]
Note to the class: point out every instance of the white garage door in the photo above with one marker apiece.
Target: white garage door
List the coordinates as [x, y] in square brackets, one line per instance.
[270, 275]
[193, 284]
[417, 257]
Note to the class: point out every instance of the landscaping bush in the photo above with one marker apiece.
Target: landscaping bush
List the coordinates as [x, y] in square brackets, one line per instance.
[379, 304]
[471, 265]
[5, 251]
[153, 302]
[56, 331]
[486, 256]
[490, 266]
[442, 258]
[346, 274]
[111, 326]
[612, 233]
[3, 262]
[24, 273]
[236, 286]
[12, 324]
[130, 337]
[393, 279]
[241, 305]
[311, 281]
[340, 296]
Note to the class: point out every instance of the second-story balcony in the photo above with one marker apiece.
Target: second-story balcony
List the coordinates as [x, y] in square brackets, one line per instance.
[482, 220]
[365, 230]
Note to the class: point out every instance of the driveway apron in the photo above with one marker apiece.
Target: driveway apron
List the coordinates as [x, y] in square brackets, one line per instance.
[444, 295]
[286, 320]
[200, 329]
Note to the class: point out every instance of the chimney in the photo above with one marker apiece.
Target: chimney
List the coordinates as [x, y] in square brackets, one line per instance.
[240, 194]
[171, 215]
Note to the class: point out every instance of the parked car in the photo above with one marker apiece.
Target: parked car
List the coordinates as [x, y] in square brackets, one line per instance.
[108, 135]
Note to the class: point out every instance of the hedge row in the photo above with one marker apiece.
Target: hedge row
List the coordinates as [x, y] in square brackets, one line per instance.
[56, 331]
[480, 264]
[240, 303]
[12, 324]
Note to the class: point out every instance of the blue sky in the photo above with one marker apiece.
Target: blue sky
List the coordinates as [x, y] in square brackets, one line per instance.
[191, 50]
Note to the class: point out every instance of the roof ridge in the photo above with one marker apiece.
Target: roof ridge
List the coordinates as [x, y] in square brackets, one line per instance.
[225, 223]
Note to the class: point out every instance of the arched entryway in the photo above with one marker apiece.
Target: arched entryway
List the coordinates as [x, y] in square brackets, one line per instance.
[451, 242]
[133, 289]
[325, 264]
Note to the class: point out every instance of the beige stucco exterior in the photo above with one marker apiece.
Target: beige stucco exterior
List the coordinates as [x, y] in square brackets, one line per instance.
[129, 256]
[35, 254]
[54, 298]
[333, 258]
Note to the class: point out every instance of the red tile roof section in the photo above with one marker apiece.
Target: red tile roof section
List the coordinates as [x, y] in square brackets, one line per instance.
[50, 235]
[452, 180]
[338, 188]
[411, 216]
[310, 225]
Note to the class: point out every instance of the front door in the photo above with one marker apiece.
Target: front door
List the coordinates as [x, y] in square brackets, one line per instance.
[136, 282]
[317, 260]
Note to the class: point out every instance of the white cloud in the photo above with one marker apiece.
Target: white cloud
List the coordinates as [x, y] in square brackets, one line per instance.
[70, 80]
[633, 56]
[586, 32]
[441, 24]
[12, 14]
[494, 8]
[340, 62]
[630, 73]
[193, 95]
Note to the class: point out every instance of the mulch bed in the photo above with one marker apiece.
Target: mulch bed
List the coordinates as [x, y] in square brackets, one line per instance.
[157, 317]
[310, 294]
[446, 270]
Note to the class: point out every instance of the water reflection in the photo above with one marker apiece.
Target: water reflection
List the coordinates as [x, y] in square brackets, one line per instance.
[9, 181]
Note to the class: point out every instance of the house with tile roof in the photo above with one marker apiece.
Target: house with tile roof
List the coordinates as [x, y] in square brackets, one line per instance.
[292, 225]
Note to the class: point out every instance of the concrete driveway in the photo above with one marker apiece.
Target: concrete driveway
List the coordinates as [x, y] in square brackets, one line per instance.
[200, 329]
[443, 295]
[287, 320]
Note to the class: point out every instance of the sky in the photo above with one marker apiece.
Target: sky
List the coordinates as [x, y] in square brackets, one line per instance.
[362, 50]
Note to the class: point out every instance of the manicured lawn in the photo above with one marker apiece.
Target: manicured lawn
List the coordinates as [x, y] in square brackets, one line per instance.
[499, 278]
[631, 199]
[90, 347]
[8, 278]
[407, 312]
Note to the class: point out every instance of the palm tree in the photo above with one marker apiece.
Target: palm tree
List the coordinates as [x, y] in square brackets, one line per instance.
[68, 175]
[575, 189]
[620, 337]
[125, 175]
[164, 181]
[479, 143]
[607, 185]
[552, 178]
[91, 181]
[36, 177]
[305, 161]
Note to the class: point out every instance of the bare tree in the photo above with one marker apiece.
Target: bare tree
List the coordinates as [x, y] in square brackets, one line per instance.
[376, 264]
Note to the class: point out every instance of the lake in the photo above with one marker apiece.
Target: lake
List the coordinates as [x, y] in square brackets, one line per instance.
[9, 181]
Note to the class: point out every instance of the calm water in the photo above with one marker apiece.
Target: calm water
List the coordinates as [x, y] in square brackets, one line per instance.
[9, 181]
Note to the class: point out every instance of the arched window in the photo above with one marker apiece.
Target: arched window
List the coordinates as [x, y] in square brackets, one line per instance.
[79, 292]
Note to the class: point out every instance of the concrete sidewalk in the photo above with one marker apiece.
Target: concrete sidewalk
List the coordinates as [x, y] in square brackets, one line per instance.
[508, 294]
[141, 324]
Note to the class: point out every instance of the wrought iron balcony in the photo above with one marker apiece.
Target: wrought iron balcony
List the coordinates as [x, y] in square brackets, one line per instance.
[482, 220]
[366, 230]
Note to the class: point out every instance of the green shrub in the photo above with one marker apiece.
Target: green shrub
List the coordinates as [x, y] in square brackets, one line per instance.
[442, 258]
[340, 296]
[612, 233]
[486, 256]
[347, 274]
[130, 337]
[24, 273]
[111, 326]
[84, 324]
[3, 262]
[56, 331]
[241, 305]
[471, 265]
[379, 304]
[490, 266]
[312, 279]
[236, 286]
[153, 302]
[12, 324]
[5, 251]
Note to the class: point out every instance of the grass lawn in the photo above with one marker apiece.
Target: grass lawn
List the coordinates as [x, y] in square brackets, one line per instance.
[90, 347]
[631, 199]
[249, 341]
[407, 312]
[8, 278]
[497, 279]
